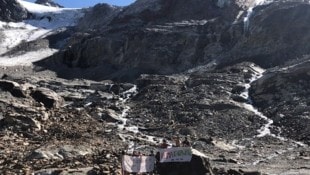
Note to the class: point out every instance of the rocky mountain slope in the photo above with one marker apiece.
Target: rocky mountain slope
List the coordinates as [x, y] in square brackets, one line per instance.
[232, 76]
[49, 3]
[167, 37]
[284, 96]
[10, 10]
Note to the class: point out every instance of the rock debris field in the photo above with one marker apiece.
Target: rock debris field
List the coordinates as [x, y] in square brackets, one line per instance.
[52, 125]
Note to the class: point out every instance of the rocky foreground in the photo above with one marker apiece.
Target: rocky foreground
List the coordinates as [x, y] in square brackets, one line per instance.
[53, 125]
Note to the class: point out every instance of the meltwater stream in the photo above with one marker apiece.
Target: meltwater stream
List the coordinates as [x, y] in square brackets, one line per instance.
[265, 129]
[130, 133]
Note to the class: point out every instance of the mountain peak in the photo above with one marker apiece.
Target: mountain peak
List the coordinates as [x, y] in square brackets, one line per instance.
[49, 3]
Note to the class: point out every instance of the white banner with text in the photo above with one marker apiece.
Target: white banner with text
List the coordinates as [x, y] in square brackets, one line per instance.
[139, 164]
[176, 154]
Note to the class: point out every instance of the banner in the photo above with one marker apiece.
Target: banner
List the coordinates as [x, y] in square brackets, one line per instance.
[176, 154]
[140, 164]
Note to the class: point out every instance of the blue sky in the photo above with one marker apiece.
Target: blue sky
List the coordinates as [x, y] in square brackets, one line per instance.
[88, 3]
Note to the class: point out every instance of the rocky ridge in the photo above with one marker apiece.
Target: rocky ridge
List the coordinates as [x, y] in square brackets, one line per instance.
[10, 10]
[50, 3]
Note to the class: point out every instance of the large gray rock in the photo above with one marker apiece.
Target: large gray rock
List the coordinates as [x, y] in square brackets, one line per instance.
[13, 87]
[11, 10]
[199, 165]
[60, 152]
[48, 97]
[21, 122]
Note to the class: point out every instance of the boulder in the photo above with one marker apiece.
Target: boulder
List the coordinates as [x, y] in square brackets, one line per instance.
[78, 171]
[199, 165]
[110, 115]
[13, 87]
[239, 98]
[49, 98]
[238, 89]
[21, 122]
[60, 152]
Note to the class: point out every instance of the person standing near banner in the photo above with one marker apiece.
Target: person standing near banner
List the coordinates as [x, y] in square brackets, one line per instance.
[135, 154]
[159, 166]
[123, 171]
[177, 141]
[186, 143]
[153, 155]
[164, 144]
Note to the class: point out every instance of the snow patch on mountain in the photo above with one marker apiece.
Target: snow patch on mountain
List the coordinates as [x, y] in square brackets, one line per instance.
[52, 17]
[26, 59]
[262, 2]
[37, 8]
[45, 21]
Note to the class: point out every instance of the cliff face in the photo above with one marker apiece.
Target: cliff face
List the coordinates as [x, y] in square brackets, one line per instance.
[277, 32]
[10, 10]
[152, 37]
[165, 37]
